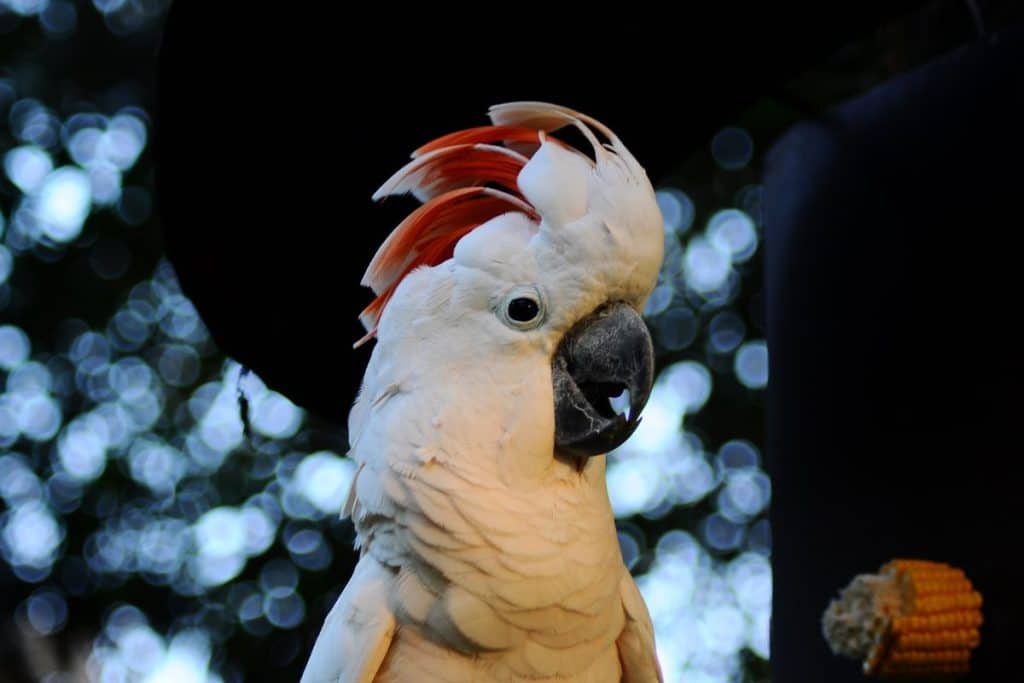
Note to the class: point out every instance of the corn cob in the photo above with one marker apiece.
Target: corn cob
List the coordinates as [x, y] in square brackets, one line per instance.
[915, 619]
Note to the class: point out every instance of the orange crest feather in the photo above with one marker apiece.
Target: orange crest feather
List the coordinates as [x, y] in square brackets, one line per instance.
[451, 175]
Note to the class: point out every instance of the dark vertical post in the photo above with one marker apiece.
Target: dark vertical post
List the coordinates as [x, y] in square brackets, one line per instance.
[893, 261]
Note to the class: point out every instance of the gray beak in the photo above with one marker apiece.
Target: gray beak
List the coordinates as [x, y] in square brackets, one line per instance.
[604, 354]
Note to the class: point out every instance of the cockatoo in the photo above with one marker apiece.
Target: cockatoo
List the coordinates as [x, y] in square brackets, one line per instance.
[507, 317]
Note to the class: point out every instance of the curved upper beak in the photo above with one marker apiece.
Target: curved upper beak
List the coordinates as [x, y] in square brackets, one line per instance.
[605, 354]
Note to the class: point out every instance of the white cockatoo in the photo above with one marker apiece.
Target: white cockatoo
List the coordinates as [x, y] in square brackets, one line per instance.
[507, 317]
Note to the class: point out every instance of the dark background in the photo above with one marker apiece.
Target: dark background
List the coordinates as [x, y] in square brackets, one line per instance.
[143, 529]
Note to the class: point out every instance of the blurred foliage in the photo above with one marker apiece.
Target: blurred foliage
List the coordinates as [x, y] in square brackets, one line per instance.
[147, 533]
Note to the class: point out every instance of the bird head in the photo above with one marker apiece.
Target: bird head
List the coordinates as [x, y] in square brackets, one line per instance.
[520, 281]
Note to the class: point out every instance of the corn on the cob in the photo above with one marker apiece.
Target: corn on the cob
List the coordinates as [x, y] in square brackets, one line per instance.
[914, 619]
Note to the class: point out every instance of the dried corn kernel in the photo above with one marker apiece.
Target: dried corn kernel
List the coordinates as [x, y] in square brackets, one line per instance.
[913, 619]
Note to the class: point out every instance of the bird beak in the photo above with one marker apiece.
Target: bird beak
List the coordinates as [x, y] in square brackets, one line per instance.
[603, 355]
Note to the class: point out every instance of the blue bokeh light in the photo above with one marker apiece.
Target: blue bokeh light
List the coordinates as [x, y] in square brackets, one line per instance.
[726, 331]
[46, 611]
[732, 148]
[14, 347]
[324, 479]
[752, 364]
[676, 208]
[706, 265]
[732, 232]
[62, 203]
[27, 166]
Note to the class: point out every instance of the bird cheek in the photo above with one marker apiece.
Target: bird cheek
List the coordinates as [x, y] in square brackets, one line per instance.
[527, 436]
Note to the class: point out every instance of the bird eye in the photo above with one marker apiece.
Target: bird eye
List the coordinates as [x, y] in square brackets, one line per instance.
[523, 309]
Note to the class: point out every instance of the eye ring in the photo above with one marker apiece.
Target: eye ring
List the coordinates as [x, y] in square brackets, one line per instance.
[522, 308]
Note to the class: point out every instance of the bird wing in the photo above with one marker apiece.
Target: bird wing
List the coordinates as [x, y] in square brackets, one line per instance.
[636, 642]
[357, 633]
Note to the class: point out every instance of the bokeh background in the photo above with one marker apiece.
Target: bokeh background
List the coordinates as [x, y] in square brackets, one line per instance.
[150, 533]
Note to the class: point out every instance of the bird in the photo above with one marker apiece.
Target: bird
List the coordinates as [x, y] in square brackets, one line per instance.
[510, 356]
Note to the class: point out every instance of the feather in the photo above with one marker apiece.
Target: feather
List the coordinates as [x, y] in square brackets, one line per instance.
[428, 237]
[636, 642]
[357, 633]
[448, 174]
[475, 620]
[483, 134]
[412, 598]
[351, 498]
[549, 118]
[449, 168]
